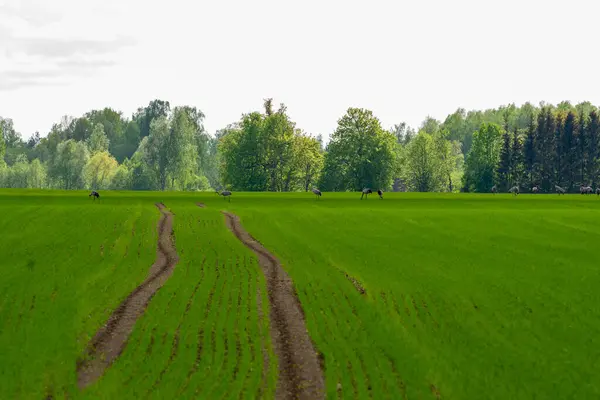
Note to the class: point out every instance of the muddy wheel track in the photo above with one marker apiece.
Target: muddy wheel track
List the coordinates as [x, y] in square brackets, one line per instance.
[110, 340]
[300, 374]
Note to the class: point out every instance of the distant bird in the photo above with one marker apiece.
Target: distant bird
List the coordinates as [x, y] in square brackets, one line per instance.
[317, 192]
[559, 190]
[380, 193]
[586, 190]
[95, 195]
[226, 193]
[535, 189]
[366, 192]
[598, 191]
[514, 190]
[494, 190]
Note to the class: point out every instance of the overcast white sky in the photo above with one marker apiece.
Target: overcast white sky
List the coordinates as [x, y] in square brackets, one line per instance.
[402, 59]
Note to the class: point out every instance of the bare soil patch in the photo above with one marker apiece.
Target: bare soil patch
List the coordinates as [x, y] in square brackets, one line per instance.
[300, 373]
[110, 340]
[201, 205]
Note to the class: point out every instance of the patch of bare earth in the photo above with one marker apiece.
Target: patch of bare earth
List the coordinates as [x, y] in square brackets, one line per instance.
[201, 205]
[300, 373]
[110, 340]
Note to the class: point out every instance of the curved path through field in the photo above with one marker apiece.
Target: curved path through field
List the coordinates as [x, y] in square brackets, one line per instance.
[300, 372]
[110, 340]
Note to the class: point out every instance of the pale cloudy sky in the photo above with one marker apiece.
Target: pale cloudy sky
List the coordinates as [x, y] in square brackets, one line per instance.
[402, 59]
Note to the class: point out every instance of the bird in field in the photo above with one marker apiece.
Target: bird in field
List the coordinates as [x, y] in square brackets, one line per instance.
[94, 194]
[514, 190]
[380, 193]
[535, 189]
[226, 193]
[494, 189]
[317, 192]
[366, 192]
[559, 190]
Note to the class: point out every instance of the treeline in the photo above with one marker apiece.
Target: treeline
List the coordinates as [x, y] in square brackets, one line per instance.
[164, 148]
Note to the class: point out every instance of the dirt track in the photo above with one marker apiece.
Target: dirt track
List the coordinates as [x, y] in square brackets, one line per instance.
[110, 340]
[300, 373]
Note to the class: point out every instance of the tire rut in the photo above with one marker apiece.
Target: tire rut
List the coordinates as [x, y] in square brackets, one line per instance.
[300, 373]
[110, 340]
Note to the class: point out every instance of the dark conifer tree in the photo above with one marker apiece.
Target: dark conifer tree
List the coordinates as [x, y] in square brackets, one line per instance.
[503, 170]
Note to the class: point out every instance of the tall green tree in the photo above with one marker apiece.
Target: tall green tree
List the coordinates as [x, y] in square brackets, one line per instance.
[100, 169]
[504, 165]
[2, 145]
[517, 168]
[157, 151]
[145, 116]
[529, 157]
[421, 172]
[449, 159]
[68, 166]
[568, 147]
[277, 142]
[98, 141]
[182, 148]
[242, 161]
[481, 162]
[36, 175]
[593, 147]
[545, 139]
[360, 153]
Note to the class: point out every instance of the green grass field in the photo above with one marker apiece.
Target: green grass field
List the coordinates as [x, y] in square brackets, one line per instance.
[465, 296]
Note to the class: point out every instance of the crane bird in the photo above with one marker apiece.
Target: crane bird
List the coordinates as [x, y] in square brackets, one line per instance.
[535, 189]
[514, 190]
[380, 193]
[95, 195]
[317, 192]
[598, 191]
[494, 190]
[586, 189]
[366, 192]
[226, 193]
[559, 190]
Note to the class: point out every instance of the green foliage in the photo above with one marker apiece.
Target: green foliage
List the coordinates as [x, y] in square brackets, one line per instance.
[98, 141]
[100, 169]
[67, 168]
[360, 154]
[421, 164]
[481, 162]
[542, 145]
[266, 152]
[122, 179]
[504, 165]
[432, 163]
[2, 144]
[37, 175]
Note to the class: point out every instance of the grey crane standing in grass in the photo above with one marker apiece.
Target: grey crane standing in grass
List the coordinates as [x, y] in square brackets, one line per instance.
[366, 192]
[559, 190]
[226, 193]
[514, 190]
[598, 191]
[586, 189]
[535, 189]
[95, 195]
[317, 192]
[380, 193]
[494, 190]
